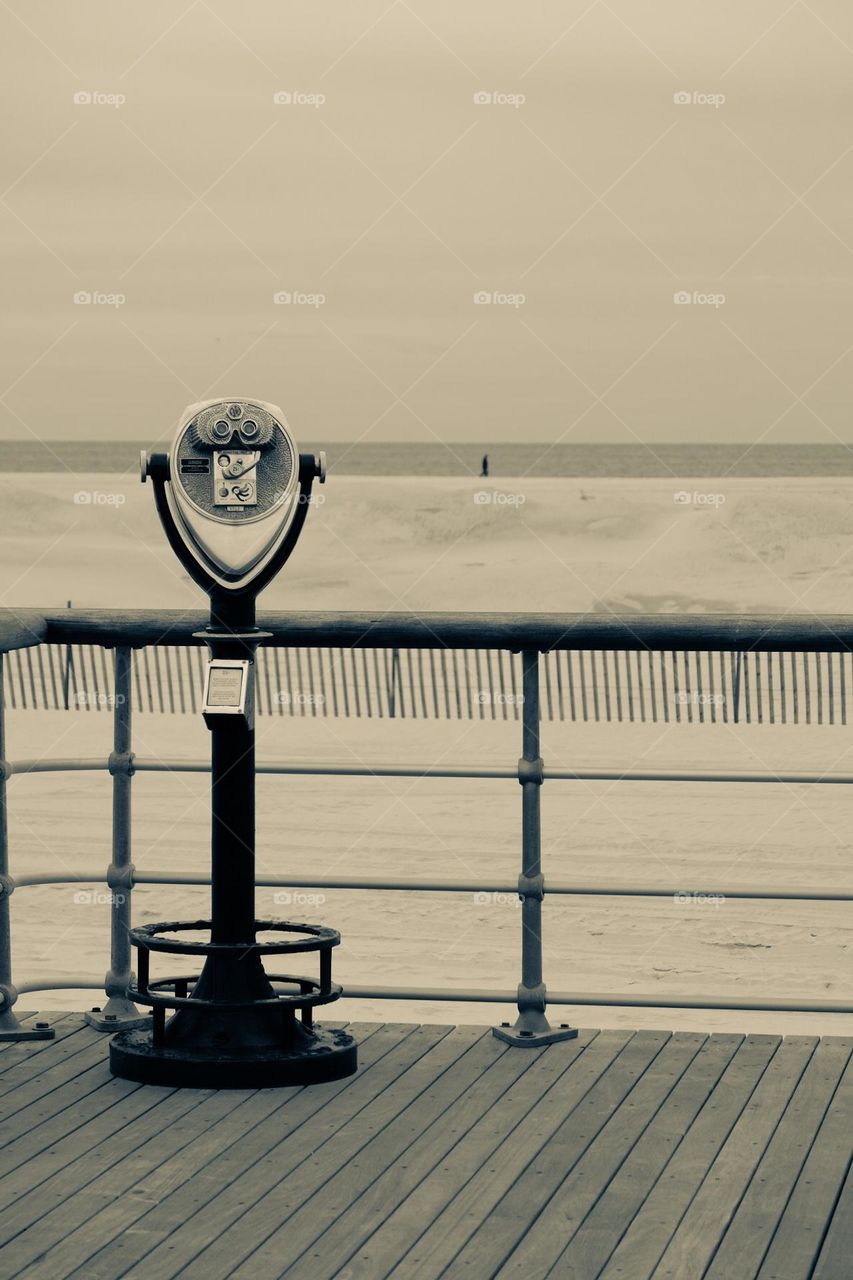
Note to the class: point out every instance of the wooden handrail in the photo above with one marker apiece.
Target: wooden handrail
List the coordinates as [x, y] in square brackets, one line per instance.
[514, 631]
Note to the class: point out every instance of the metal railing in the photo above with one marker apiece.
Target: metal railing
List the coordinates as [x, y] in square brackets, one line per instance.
[529, 635]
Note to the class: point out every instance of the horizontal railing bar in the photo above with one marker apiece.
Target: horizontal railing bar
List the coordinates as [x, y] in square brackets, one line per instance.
[475, 995]
[61, 984]
[794, 893]
[728, 632]
[605, 999]
[143, 765]
[698, 775]
[345, 770]
[338, 882]
[59, 765]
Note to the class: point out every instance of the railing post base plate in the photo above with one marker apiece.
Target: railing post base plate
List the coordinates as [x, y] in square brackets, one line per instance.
[520, 1034]
[118, 1014]
[12, 1030]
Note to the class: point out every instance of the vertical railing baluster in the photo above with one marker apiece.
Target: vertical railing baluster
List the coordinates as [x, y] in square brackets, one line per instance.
[532, 1026]
[119, 1011]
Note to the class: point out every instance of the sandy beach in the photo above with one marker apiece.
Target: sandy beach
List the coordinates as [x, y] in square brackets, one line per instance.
[448, 543]
[427, 544]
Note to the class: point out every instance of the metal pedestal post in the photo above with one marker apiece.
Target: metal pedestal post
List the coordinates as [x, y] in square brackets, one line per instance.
[232, 1029]
[532, 1026]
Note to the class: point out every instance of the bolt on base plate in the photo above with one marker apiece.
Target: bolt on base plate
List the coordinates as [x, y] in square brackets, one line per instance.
[333, 1056]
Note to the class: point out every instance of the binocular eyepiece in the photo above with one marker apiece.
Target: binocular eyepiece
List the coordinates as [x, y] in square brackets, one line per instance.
[233, 493]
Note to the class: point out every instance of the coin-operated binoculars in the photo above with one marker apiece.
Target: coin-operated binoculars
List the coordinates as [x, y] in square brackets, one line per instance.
[232, 497]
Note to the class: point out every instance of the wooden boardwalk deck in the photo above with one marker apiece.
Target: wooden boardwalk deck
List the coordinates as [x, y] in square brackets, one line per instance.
[621, 1154]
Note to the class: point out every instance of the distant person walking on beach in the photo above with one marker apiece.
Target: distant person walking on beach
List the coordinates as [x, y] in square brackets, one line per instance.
[485, 470]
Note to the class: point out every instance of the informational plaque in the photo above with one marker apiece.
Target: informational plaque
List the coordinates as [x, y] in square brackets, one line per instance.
[226, 689]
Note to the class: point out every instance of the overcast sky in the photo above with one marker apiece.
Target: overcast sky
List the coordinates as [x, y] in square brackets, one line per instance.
[383, 197]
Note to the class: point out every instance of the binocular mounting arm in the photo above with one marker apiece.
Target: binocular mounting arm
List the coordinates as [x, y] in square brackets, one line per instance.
[232, 607]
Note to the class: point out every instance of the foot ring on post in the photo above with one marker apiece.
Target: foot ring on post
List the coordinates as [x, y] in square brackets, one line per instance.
[243, 1033]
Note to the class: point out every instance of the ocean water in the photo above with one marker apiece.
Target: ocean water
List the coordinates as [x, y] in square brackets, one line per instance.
[399, 458]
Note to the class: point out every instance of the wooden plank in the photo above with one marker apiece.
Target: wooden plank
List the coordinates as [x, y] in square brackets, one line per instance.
[31, 1052]
[457, 1220]
[65, 1238]
[406, 1176]
[105, 1117]
[648, 1235]
[761, 1208]
[26, 1070]
[34, 1046]
[282, 1193]
[374, 1179]
[93, 1163]
[47, 1216]
[409, 1216]
[601, 1231]
[114, 1202]
[837, 1250]
[56, 1088]
[697, 1236]
[78, 1069]
[800, 1234]
[500, 1231]
[412, 1216]
[541, 1245]
[161, 1244]
[47, 1121]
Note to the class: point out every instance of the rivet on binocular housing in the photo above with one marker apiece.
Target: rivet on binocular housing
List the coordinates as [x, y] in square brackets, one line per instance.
[233, 496]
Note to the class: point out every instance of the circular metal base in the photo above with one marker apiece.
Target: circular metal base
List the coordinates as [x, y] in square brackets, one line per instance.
[331, 1056]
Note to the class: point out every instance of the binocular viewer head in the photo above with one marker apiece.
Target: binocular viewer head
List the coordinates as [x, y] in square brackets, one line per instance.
[233, 493]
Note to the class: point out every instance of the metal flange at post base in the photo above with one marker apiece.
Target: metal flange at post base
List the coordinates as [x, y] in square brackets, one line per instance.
[10, 1027]
[532, 1027]
[118, 1014]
